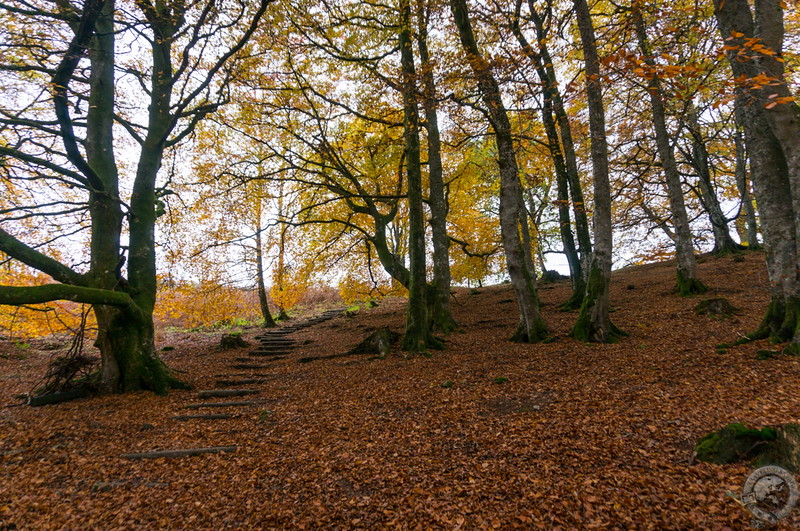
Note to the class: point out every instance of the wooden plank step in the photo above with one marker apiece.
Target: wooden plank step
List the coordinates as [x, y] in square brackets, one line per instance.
[244, 375]
[221, 393]
[274, 354]
[246, 366]
[179, 453]
[210, 416]
[222, 404]
[248, 381]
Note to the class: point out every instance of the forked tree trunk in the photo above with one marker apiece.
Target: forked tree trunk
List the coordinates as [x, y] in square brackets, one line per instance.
[418, 335]
[723, 243]
[688, 283]
[594, 322]
[531, 326]
[548, 88]
[772, 126]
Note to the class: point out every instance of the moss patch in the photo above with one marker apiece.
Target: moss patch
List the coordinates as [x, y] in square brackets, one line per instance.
[739, 442]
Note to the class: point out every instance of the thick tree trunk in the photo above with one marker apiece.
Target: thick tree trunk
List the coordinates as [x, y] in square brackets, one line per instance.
[772, 127]
[594, 322]
[688, 283]
[418, 326]
[439, 292]
[531, 327]
[134, 364]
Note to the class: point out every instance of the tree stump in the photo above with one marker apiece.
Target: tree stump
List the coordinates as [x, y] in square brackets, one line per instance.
[716, 307]
[379, 342]
[232, 341]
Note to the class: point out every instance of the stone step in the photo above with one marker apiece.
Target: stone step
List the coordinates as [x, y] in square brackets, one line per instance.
[230, 376]
[278, 354]
[179, 453]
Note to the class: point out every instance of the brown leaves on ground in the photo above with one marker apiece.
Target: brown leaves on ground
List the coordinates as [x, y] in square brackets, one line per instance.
[559, 436]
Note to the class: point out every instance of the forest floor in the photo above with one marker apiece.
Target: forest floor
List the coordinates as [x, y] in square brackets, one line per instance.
[577, 436]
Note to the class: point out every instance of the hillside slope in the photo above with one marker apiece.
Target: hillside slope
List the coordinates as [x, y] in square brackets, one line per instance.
[563, 435]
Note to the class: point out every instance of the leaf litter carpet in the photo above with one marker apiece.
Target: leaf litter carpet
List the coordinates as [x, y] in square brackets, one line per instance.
[484, 434]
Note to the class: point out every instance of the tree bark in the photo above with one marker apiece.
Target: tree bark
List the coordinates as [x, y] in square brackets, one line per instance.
[531, 327]
[723, 243]
[261, 287]
[439, 292]
[418, 335]
[771, 121]
[548, 87]
[743, 185]
[594, 322]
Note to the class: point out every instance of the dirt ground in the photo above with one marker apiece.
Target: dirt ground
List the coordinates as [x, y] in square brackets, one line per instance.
[484, 434]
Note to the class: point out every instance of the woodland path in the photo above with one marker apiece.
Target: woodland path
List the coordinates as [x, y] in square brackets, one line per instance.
[274, 345]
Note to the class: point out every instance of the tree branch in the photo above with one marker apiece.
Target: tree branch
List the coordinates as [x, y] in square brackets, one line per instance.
[33, 258]
[15, 296]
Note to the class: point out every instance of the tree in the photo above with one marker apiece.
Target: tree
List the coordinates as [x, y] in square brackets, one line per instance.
[513, 222]
[594, 322]
[182, 84]
[771, 121]
[688, 283]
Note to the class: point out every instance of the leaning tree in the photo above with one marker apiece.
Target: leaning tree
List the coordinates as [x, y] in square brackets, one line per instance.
[76, 76]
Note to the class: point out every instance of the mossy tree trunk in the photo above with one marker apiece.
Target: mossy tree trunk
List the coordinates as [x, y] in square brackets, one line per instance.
[523, 280]
[594, 322]
[771, 121]
[418, 336]
[439, 292]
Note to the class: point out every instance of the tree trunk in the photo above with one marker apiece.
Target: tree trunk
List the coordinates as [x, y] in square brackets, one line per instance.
[723, 243]
[418, 326]
[261, 287]
[548, 87]
[772, 127]
[134, 364]
[743, 185]
[688, 283]
[439, 292]
[523, 279]
[567, 143]
[594, 322]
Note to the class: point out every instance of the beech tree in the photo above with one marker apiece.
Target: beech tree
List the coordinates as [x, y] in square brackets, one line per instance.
[594, 322]
[753, 39]
[48, 145]
[513, 220]
[688, 283]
